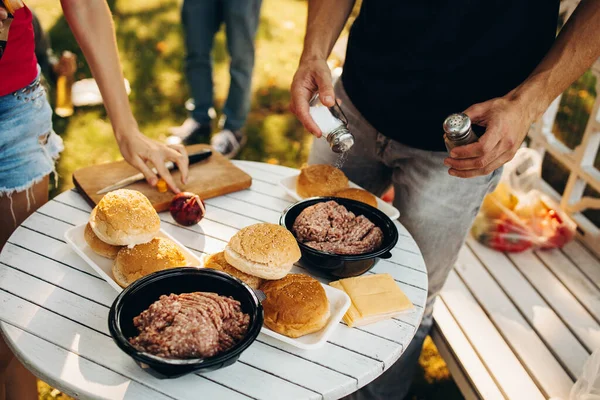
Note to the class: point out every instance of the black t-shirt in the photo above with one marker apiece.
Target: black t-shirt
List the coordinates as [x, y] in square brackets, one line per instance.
[411, 63]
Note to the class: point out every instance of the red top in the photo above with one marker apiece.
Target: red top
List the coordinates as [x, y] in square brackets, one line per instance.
[18, 65]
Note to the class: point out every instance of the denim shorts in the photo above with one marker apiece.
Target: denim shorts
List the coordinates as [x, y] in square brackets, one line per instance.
[28, 145]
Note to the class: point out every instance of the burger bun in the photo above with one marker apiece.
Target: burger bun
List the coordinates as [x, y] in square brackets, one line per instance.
[134, 263]
[98, 246]
[295, 305]
[217, 261]
[320, 180]
[264, 250]
[124, 218]
[359, 195]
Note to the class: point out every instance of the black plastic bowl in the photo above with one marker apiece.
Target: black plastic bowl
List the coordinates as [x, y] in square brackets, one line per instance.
[142, 293]
[338, 265]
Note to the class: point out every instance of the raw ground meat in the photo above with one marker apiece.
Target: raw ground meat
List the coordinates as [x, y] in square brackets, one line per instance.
[190, 325]
[332, 228]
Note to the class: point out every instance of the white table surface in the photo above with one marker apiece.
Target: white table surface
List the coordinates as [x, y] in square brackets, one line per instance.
[54, 311]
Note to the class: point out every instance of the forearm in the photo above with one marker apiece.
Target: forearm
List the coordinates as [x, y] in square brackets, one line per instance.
[91, 23]
[326, 19]
[575, 49]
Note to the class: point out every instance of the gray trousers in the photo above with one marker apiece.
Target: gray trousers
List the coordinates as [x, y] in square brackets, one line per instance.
[436, 208]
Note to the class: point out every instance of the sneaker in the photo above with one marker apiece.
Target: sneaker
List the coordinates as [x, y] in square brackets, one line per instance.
[190, 132]
[186, 129]
[228, 143]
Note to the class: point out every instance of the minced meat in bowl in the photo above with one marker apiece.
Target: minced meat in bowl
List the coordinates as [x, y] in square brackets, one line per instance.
[190, 325]
[228, 309]
[330, 227]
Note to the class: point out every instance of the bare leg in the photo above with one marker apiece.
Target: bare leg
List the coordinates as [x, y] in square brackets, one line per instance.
[17, 205]
[20, 383]
[6, 357]
[16, 382]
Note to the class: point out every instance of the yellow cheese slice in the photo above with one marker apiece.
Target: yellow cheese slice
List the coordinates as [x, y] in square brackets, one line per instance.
[375, 294]
[374, 298]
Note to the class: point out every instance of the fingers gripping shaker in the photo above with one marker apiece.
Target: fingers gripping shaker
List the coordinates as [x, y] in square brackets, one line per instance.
[458, 131]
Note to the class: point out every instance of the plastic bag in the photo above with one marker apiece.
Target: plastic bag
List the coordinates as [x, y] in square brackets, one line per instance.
[524, 171]
[587, 386]
[516, 216]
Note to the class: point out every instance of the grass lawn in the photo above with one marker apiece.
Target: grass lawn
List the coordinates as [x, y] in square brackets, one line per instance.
[153, 63]
[150, 40]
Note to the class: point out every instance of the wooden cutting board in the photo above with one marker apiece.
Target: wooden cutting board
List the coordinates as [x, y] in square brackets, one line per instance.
[213, 177]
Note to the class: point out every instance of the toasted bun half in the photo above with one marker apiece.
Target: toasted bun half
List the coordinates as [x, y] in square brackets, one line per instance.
[98, 246]
[134, 263]
[295, 305]
[217, 261]
[265, 250]
[124, 218]
[320, 180]
[358, 195]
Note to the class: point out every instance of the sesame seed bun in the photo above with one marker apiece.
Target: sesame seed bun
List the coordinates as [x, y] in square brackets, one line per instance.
[267, 251]
[98, 246]
[320, 180]
[124, 218]
[358, 195]
[217, 261]
[295, 305]
[134, 263]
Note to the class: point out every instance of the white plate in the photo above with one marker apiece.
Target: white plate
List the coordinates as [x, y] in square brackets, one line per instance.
[339, 302]
[102, 265]
[289, 185]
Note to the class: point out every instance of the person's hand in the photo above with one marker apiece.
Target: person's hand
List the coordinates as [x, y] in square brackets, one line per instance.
[506, 122]
[312, 76]
[138, 150]
[3, 16]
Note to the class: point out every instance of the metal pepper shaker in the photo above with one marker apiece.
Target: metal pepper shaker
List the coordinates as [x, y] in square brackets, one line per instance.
[458, 131]
[333, 124]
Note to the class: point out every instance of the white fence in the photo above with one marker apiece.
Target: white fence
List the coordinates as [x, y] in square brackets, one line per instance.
[579, 161]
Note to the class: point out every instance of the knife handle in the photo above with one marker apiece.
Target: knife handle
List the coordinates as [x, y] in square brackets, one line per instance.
[192, 159]
[197, 157]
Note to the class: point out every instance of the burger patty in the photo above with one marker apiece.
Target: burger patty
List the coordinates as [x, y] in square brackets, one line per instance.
[330, 227]
[190, 325]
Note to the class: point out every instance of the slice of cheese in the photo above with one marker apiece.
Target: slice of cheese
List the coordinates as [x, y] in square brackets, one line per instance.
[374, 298]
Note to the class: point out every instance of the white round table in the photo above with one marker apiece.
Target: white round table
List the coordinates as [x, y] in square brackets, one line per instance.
[54, 310]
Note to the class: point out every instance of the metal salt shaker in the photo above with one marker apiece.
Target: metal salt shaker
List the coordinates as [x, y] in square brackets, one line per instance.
[458, 131]
[340, 139]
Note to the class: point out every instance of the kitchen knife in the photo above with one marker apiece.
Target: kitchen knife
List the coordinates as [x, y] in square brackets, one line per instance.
[192, 159]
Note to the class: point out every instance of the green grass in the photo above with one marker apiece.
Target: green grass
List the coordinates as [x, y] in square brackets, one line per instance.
[153, 63]
[150, 42]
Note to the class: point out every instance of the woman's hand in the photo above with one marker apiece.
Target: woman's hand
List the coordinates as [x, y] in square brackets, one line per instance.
[138, 150]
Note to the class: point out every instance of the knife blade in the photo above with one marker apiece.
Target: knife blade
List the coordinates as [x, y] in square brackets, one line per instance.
[171, 166]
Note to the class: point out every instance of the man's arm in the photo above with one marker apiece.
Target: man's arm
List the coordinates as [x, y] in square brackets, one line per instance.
[508, 118]
[326, 19]
[91, 23]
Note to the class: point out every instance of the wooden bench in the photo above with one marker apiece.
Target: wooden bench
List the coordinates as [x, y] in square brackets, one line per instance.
[519, 326]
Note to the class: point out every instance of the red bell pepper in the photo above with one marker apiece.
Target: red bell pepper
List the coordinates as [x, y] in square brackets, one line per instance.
[509, 237]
